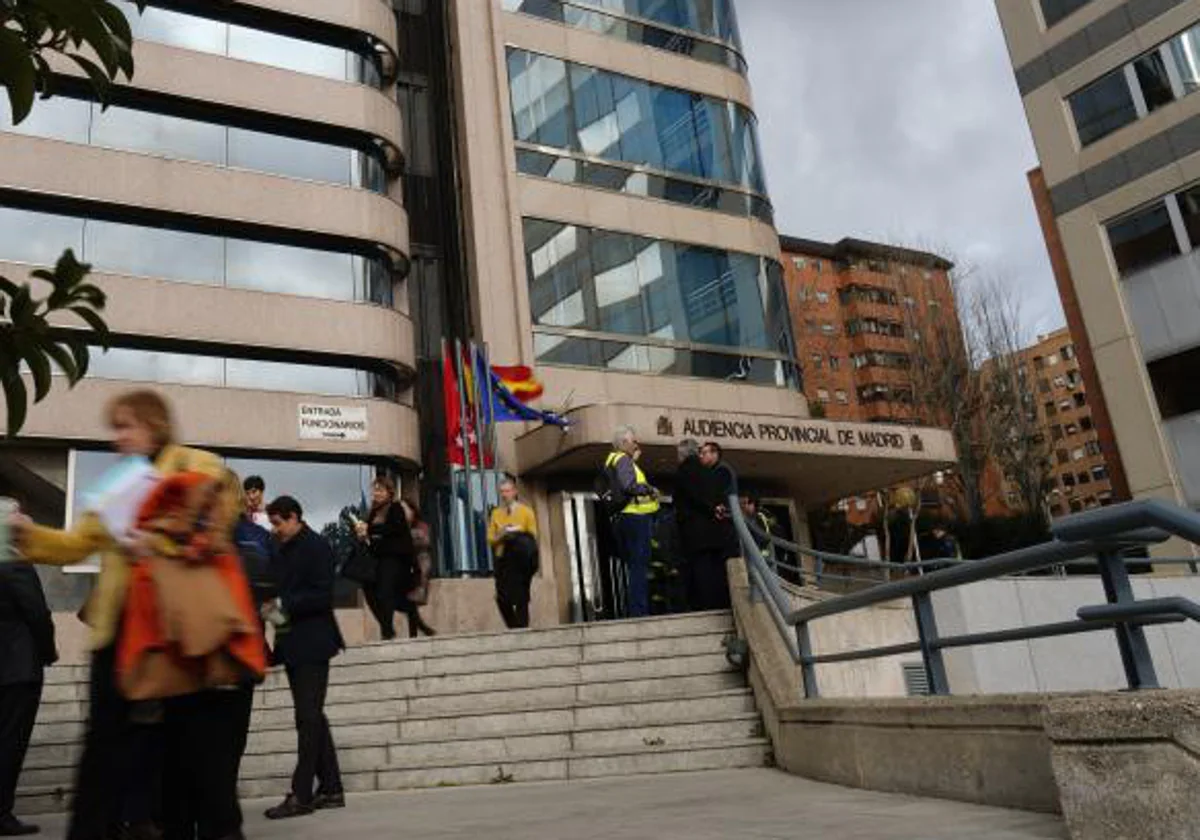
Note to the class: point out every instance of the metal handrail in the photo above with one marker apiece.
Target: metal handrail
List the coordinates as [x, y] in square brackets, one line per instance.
[1100, 537]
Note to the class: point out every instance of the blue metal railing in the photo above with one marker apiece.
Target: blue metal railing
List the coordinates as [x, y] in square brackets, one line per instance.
[1099, 538]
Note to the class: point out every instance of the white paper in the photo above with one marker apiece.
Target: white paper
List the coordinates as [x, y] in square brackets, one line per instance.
[119, 494]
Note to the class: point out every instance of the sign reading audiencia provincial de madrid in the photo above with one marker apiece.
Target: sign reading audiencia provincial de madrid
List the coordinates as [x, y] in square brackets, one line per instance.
[797, 432]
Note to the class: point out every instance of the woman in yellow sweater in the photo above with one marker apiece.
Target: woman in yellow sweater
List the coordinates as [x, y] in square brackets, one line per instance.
[512, 534]
[141, 425]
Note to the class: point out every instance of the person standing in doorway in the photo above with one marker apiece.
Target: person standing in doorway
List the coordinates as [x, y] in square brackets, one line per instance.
[633, 524]
[512, 534]
[389, 539]
[702, 533]
[256, 489]
[307, 638]
[26, 649]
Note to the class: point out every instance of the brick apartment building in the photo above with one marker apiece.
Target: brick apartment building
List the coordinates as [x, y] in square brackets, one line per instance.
[857, 309]
[1079, 474]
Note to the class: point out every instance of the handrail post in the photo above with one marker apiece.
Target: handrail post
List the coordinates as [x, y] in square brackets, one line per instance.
[808, 671]
[927, 634]
[1131, 638]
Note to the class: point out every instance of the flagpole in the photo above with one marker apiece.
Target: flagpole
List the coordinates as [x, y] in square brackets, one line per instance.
[472, 548]
[487, 366]
[484, 474]
[483, 392]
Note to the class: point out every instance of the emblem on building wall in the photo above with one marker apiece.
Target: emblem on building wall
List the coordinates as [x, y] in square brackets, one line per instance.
[918, 445]
[665, 427]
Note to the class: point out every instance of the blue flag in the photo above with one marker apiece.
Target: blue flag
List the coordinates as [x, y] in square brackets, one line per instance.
[499, 405]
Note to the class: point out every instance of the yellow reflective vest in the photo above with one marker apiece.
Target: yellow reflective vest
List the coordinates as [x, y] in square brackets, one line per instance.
[641, 505]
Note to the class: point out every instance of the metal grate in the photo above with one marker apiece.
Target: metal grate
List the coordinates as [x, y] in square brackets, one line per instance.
[916, 681]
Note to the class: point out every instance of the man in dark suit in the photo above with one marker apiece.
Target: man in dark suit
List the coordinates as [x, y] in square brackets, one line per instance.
[26, 647]
[306, 638]
[704, 529]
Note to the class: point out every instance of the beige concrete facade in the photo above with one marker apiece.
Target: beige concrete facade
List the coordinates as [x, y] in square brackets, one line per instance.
[497, 198]
[148, 307]
[1117, 176]
[182, 319]
[229, 418]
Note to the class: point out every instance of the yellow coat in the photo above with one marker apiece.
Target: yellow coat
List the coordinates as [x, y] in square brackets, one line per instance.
[54, 547]
[521, 519]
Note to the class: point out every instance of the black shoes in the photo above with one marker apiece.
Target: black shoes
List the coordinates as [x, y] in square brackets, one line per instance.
[10, 826]
[290, 807]
[328, 801]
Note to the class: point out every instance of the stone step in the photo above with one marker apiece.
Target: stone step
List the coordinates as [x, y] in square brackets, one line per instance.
[576, 765]
[590, 635]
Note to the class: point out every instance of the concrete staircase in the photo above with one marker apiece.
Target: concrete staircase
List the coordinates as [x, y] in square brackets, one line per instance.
[617, 698]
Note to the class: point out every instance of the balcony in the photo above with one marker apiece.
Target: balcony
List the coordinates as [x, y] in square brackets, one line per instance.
[1184, 432]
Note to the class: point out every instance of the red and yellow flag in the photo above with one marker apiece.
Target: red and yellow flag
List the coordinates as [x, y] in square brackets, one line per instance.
[520, 381]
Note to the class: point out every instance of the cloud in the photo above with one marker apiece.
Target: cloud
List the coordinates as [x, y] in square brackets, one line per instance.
[899, 120]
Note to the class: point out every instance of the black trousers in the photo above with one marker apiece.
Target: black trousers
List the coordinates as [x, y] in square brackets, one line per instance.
[205, 735]
[708, 582]
[100, 776]
[18, 708]
[316, 758]
[514, 575]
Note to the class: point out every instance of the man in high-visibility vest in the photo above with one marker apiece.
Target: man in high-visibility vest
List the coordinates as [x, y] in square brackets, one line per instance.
[633, 526]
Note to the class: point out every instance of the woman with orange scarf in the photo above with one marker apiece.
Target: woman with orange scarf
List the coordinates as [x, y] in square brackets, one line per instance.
[108, 774]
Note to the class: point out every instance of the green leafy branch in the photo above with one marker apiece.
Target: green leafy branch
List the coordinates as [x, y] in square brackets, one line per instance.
[26, 334]
[85, 31]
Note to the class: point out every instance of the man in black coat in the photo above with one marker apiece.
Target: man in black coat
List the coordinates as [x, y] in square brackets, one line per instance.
[306, 638]
[702, 517]
[26, 647]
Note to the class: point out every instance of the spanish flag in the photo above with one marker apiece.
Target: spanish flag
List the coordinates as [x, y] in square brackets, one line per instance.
[519, 381]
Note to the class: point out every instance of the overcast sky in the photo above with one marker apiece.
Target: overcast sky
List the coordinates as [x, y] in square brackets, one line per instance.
[899, 120]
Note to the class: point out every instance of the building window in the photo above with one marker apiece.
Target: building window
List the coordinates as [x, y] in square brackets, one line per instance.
[822, 297]
[1151, 73]
[682, 304]
[1076, 505]
[1062, 456]
[1056, 432]
[1084, 478]
[1086, 424]
[1078, 454]
[1105, 498]
[1055, 10]
[798, 262]
[816, 265]
[835, 363]
[1068, 480]
[1080, 399]
[202, 34]
[828, 328]
[1100, 473]
[180, 255]
[714, 21]
[1060, 382]
[822, 395]
[1093, 448]
[1068, 351]
[1143, 238]
[817, 360]
[177, 138]
[1102, 107]
[842, 397]
[601, 114]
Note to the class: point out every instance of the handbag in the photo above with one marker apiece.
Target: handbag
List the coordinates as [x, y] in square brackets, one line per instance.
[361, 566]
[419, 594]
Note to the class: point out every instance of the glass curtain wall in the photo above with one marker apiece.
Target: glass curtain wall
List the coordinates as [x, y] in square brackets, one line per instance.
[33, 237]
[595, 115]
[201, 34]
[626, 302]
[80, 121]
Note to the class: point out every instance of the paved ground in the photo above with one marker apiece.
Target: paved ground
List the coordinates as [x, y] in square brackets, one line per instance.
[688, 806]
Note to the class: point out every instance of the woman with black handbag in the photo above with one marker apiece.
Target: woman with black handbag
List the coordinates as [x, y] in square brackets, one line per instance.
[387, 535]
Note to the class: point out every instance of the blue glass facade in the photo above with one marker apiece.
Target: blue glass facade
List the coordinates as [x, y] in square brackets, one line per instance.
[599, 114]
[653, 24]
[687, 310]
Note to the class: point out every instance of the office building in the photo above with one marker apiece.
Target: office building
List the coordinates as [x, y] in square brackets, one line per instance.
[1107, 87]
[293, 202]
